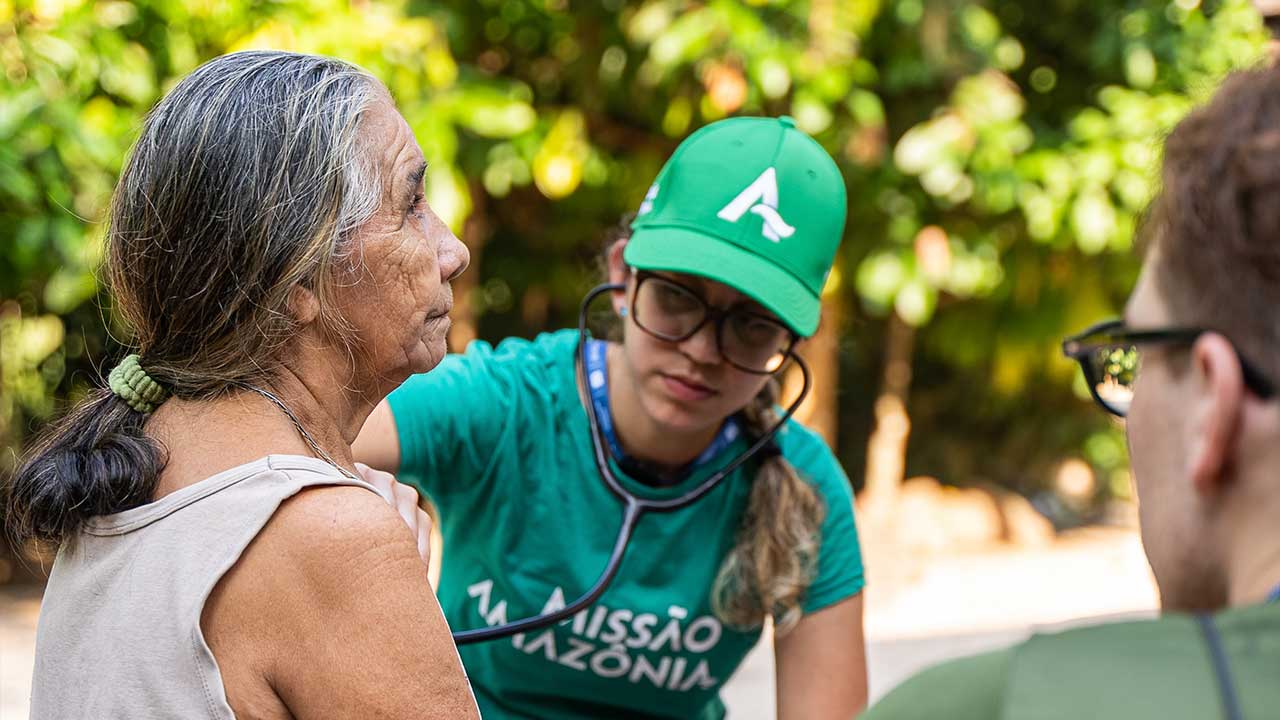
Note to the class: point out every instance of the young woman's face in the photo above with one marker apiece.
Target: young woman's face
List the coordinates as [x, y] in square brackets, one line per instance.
[686, 385]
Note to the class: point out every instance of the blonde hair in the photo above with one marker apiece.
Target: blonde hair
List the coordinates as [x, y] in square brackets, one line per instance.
[776, 551]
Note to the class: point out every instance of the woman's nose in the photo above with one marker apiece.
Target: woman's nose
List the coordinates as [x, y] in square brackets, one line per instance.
[454, 258]
[702, 347]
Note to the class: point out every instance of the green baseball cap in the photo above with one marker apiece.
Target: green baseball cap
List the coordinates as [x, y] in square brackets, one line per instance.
[752, 203]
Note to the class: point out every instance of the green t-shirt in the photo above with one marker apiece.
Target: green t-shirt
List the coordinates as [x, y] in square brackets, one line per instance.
[498, 439]
[1157, 669]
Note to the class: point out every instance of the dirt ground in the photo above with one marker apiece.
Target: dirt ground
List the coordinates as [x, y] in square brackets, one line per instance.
[921, 609]
[18, 610]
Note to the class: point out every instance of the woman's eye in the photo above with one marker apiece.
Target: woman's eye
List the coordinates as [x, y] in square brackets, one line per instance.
[673, 299]
[756, 328]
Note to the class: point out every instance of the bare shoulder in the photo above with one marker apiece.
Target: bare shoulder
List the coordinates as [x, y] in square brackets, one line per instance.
[324, 548]
[329, 600]
[328, 528]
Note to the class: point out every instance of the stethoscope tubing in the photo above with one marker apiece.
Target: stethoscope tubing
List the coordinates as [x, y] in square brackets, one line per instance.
[633, 507]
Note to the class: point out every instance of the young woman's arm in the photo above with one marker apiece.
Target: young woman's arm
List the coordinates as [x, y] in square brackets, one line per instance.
[378, 444]
[439, 429]
[822, 664]
[329, 614]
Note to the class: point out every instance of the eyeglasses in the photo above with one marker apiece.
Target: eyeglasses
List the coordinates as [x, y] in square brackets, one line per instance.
[1111, 358]
[748, 340]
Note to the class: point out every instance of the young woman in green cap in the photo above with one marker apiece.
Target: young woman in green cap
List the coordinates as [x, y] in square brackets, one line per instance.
[730, 511]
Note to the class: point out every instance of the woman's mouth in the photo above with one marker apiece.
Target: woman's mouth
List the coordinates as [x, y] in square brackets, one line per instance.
[443, 312]
[685, 389]
[439, 318]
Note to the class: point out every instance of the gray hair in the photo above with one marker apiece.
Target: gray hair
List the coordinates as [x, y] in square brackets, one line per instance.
[247, 181]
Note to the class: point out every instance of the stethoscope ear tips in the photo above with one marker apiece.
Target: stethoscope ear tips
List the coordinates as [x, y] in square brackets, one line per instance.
[622, 311]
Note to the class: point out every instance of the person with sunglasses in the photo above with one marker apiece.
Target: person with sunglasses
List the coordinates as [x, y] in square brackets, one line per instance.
[1191, 368]
[535, 450]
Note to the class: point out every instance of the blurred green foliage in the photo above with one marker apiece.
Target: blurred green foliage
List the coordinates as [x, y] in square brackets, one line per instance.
[998, 155]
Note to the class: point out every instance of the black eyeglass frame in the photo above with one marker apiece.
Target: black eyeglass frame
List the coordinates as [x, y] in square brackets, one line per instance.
[1113, 333]
[714, 315]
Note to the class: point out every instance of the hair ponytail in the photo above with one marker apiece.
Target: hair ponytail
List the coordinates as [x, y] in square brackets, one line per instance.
[776, 552]
[94, 461]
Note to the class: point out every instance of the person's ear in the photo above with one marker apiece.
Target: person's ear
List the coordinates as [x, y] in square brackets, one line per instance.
[1216, 410]
[303, 305]
[619, 273]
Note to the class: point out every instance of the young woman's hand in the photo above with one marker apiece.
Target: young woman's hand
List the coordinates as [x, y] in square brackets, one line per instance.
[404, 498]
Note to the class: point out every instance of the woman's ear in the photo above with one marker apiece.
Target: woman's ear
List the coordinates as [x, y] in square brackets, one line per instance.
[619, 273]
[617, 266]
[303, 305]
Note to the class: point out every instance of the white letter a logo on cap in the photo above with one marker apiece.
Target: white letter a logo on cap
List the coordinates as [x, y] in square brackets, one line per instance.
[761, 198]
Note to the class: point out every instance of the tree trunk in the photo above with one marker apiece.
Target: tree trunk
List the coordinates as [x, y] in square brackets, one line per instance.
[887, 447]
[935, 31]
[820, 410]
[822, 24]
[475, 232]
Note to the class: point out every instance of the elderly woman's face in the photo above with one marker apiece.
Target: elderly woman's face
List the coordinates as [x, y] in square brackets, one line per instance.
[398, 300]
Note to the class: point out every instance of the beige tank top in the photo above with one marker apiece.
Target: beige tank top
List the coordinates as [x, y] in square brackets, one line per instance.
[119, 631]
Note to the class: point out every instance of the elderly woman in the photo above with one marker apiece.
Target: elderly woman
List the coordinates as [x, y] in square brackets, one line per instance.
[220, 554]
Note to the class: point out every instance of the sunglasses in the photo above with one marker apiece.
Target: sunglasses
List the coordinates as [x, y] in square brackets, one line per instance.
[1111, 357]
[748, 340]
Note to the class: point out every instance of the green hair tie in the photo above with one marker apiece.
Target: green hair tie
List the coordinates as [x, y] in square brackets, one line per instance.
[133, 385]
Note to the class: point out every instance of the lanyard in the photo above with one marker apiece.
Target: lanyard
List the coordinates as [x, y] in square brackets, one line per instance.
[598, 383]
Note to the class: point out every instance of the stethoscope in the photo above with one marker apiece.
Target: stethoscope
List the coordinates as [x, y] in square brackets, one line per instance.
[633, 507]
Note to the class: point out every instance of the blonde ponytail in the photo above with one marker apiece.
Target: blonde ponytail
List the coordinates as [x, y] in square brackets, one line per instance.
[776, 553]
